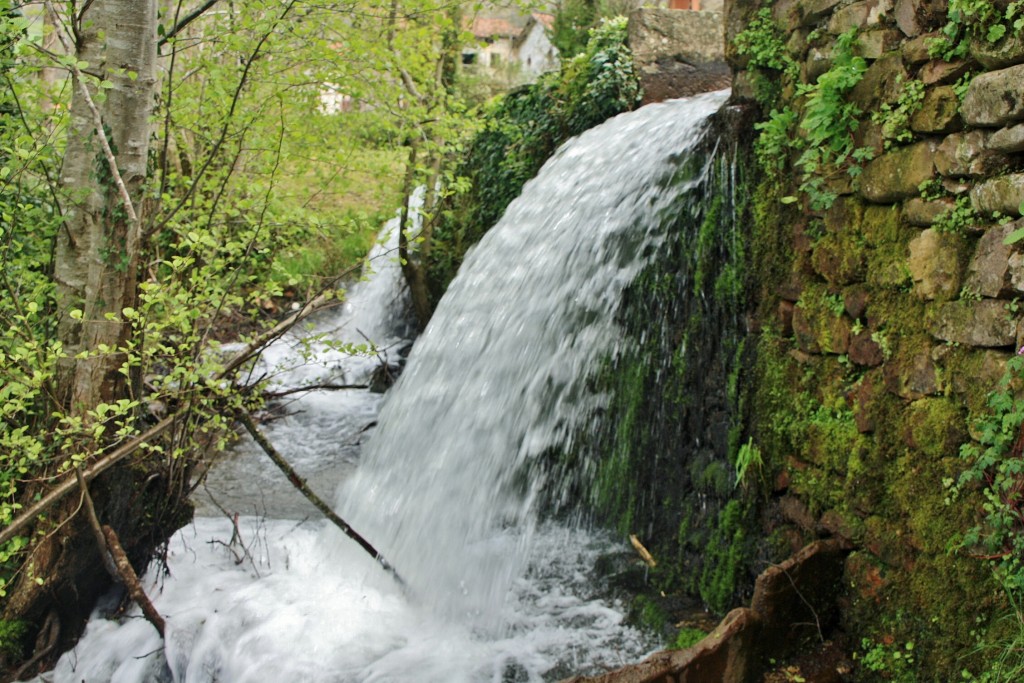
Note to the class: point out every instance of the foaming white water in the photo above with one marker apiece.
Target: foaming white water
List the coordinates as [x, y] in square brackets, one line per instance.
[445, 488]
[298, 612]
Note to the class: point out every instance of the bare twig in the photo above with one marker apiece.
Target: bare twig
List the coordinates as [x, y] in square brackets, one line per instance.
[313, 387]
[645, 554]
[185, 21]
[94, 524]
[300, 484]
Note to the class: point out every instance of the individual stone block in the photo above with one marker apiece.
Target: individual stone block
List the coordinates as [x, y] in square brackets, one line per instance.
[1004, 195]
[1006, 52]
[923, 212]
[898, 174]
[916, 16]
[915, 52]
[935, 264]
[939, 71]
[875, 42]
[984, 323]
[855, 301]
[912, 378]
[844, 215]
[882, 82]
[796, 46]
[818, 62]
[864, 350]
[939, 112]
[1008, 140]
[859, 15]
[995, 98]
[786, 13]
[813, 11]
[967, 155]
[838, 259]
[990, 272]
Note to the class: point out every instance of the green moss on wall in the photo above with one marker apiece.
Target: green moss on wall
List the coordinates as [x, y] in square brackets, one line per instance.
[665, 452]
[728, 553]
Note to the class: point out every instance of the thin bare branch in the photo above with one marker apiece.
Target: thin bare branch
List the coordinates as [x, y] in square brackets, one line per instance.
[185, 21]
[300, 484]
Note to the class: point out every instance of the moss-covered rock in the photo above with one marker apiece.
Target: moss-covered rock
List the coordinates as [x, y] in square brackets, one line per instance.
[995, 98]
[898, 174]
[936, 264]
[939, 112]
[974, 323]
[1004, 195]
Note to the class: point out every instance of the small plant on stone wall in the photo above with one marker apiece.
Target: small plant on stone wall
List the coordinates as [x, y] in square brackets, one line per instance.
[892, 661]
[962, 85]
[995, 467]
[765, 44]
[995, 463]
[828, 123]
[968, 20]
[1018, 234]
[895, 118]
[748, 459]
[957, 219]
[1000, 653]
[821, 129]
[776, 139]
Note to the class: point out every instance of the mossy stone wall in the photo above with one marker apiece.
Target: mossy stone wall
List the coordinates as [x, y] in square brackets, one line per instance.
[886, 318]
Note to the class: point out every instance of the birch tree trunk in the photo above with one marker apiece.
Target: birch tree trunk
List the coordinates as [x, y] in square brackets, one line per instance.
[96, 261]
[97, 252]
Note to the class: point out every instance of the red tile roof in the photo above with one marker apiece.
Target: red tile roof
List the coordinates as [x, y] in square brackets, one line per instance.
[493, 28]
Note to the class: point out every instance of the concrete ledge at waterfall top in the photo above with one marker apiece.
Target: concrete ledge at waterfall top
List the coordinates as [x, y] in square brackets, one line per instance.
[788, 598]
[678, 53]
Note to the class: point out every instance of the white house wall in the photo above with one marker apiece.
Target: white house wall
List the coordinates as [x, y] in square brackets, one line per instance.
[536, 53]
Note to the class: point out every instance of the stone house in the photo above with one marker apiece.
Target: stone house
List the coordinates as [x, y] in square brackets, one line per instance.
[513, 47]
[534, 50]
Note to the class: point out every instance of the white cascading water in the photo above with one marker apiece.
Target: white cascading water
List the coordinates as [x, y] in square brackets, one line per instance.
[442, 488]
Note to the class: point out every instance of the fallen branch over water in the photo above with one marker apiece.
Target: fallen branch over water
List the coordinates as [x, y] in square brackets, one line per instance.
[127, 575]
[303, 488]
[116, 561]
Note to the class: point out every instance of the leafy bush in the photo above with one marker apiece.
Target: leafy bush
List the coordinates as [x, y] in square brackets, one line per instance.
[522, 130]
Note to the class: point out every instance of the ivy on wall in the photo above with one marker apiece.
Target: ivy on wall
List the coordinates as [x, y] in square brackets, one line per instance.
[522, 130]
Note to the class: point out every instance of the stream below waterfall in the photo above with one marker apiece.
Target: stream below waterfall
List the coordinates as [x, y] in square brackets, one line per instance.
[447, 485]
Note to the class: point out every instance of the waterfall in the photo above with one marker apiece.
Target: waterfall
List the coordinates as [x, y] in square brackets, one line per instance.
[501, 373]
[448, 486]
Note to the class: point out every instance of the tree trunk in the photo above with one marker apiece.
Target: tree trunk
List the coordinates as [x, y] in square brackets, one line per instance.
[98, 250]
[95, 267]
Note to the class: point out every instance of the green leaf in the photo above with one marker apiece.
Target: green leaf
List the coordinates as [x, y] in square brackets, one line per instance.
[1015, 236]
[996, 32]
